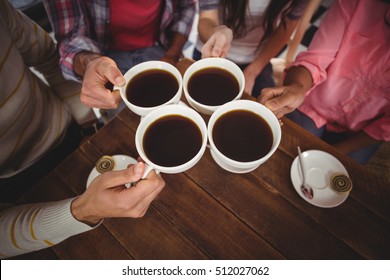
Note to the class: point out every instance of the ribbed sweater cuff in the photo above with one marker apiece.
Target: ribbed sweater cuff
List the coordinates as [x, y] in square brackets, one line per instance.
[59, 221]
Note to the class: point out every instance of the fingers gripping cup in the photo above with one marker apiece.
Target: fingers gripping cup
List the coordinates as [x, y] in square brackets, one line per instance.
[243, 134]
[211, 82]
[171, 139]
[150, 85]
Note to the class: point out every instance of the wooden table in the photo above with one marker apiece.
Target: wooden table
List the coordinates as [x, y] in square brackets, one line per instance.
[209, 213]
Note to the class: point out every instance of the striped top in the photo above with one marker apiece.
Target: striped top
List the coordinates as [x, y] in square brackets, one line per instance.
[33, 119]
[33, 116]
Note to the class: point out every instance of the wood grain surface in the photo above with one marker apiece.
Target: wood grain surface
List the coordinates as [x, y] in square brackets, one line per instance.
[209, 213]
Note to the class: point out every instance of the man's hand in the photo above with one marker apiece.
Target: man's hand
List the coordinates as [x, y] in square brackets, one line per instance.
[97, 71]
[107, 196]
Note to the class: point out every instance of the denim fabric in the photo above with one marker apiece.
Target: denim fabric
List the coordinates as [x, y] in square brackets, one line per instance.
[127, 59]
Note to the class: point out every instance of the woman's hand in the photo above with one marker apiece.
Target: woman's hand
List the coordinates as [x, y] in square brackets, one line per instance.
[282, 100]
[219, 43]
[285, 99]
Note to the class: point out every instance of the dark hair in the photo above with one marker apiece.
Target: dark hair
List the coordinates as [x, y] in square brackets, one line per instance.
[233, 15]
[234, 11]
[274, 9]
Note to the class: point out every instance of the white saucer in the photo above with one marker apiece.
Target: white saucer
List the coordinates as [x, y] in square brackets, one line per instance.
[320, 167]
[121, 162]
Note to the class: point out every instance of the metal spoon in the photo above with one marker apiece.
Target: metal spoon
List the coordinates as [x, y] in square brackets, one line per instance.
[306, 190]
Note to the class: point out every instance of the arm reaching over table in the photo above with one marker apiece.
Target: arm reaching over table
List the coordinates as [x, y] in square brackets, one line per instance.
[97, 46]
[285, 99]
[32, 227]
[38, 131]
[217, 38]
[338, 89]
[107, 196]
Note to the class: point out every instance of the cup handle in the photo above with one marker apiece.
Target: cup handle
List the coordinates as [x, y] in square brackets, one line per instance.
[148, 168]
[116, 88]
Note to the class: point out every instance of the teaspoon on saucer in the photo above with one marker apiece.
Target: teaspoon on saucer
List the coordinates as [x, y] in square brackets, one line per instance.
[306, 189]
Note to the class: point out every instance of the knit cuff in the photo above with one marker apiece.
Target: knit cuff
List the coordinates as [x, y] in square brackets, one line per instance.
[58, 220]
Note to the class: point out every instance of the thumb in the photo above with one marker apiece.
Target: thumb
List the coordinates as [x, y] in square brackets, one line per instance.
[216, 51]
[207, 48]
[131, 174]
[221, 46]
[268, 94]
[114, 75]
[278, 103]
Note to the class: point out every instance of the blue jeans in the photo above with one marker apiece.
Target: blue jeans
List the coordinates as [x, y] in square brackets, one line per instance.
[263, 80]
[361, 156]
[127, 59]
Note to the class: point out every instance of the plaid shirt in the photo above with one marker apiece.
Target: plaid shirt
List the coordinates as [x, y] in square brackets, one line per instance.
[84, 26]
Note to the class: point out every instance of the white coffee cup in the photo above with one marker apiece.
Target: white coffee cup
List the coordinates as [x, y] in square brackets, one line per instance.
[158, 114]
[144, 66]
[232, 165]
[217, 62]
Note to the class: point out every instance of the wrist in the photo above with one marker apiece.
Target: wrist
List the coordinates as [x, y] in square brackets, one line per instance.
[254, 69]
[80, 213]
[173, 55]
[225, 30]
[82, 60]
[298, 77]
[176, 44]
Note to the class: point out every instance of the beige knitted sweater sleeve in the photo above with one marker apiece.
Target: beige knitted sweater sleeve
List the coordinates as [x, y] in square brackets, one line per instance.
[32, 227]
[28, 106]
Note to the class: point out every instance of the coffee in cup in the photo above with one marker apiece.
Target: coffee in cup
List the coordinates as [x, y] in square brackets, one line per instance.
[211, 82]
[171, 139]
[150, 85]
[243, 134]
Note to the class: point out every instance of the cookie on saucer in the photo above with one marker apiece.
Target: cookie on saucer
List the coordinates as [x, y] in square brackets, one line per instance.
[341, 183]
